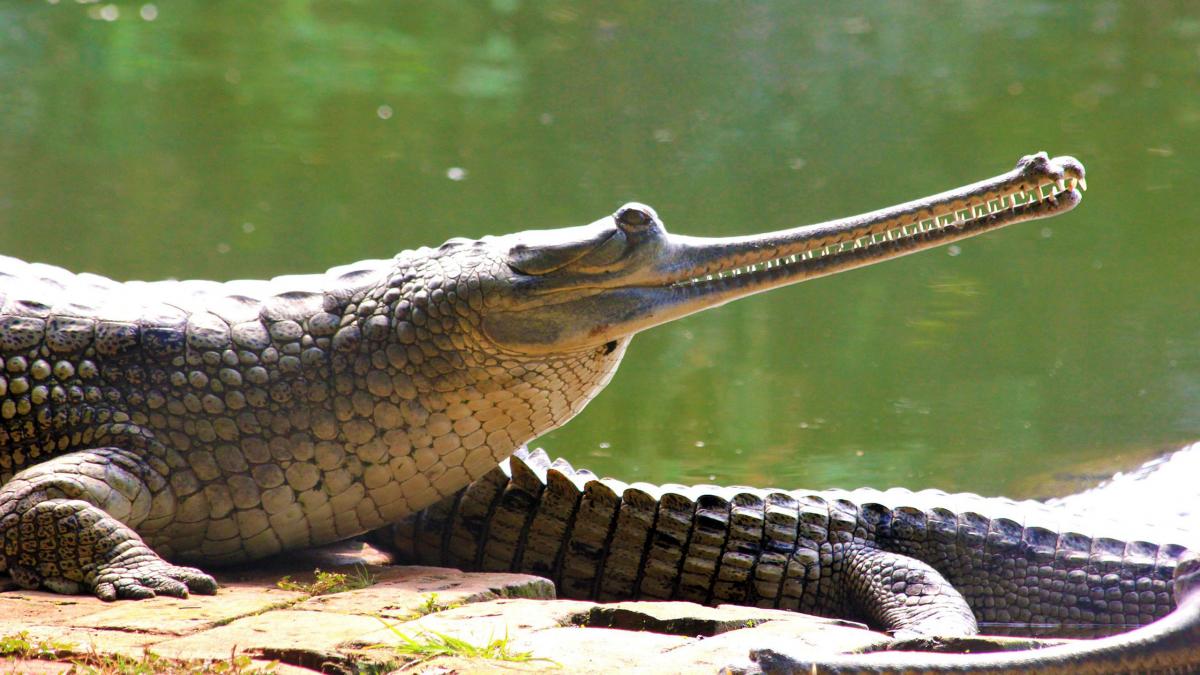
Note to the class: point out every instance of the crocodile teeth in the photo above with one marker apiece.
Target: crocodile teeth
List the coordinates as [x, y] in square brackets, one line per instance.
[1016, 199]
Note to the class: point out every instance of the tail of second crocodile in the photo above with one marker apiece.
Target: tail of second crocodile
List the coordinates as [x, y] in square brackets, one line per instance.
[1169, 645]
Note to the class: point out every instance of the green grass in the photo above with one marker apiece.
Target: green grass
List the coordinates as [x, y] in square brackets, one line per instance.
[373, 668]
[325, 583]
[152, 664]
[431, 605]
[21, 646]
[430, 644]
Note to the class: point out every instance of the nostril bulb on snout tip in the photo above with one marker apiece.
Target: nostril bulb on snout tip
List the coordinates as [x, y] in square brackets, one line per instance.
[635, 216]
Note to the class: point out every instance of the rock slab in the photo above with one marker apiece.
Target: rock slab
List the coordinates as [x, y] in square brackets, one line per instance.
[369, 629]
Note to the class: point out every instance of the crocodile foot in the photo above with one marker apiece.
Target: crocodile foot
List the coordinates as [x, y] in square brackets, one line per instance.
[139, 573]
[135, 574]
[58, 535]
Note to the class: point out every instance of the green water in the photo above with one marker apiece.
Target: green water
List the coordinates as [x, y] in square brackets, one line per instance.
[236, 139]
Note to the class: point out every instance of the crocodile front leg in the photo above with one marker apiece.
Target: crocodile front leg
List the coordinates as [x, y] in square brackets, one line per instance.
[69, 523]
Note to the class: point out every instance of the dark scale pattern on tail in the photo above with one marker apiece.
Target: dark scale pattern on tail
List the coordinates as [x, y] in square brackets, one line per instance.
[926, 562]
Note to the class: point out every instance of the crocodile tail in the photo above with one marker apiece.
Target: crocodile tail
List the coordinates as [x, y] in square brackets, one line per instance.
[1169, 645]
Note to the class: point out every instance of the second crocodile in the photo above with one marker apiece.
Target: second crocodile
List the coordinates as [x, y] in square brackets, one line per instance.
[918, 564]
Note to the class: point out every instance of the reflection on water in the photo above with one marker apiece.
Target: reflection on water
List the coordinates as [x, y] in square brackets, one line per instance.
[251, 139]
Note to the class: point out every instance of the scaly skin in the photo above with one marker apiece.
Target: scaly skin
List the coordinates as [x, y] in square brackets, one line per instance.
[222, 422]
[914, 563]
[600, 539]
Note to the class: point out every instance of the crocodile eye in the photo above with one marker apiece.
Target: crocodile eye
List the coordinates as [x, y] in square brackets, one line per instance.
[634, 217]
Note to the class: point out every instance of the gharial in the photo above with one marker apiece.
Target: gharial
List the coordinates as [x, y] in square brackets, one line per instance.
[221, 422]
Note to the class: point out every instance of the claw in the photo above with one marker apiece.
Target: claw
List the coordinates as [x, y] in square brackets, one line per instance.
[105, 591]
[165, 585]
[132, 590]
[195, 580]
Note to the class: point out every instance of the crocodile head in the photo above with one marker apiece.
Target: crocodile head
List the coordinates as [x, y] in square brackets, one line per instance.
[519, 332]
[596, 285]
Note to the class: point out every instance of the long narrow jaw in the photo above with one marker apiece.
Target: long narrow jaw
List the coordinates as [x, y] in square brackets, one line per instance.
[734, 267]
[586, 292]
